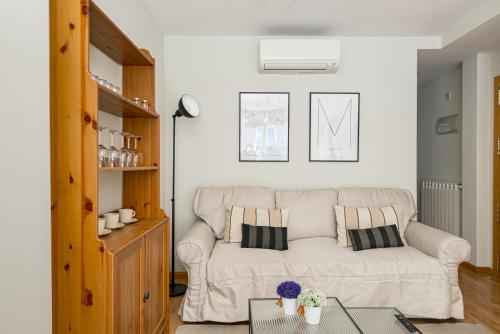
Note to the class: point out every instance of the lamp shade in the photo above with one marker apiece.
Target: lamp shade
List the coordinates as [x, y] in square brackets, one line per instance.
[188, 107]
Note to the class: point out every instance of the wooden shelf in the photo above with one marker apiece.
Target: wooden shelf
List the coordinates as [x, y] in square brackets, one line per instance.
[126, 169]
[121, 106]
[121, 238]
[108, 38]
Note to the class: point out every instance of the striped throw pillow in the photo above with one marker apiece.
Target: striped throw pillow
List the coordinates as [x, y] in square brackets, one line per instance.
[362, 218]
[377, 237]
[236, 216]
[264, 237]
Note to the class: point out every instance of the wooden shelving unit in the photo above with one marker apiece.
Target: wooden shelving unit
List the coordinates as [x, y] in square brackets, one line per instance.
[116, 283]
[126, 169]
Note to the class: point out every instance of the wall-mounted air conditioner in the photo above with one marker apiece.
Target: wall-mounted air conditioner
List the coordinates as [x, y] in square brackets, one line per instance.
[299, 56]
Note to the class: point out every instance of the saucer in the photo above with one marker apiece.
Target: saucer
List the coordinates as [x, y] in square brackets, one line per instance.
[120, 225]
[134, 220]
[105, 232]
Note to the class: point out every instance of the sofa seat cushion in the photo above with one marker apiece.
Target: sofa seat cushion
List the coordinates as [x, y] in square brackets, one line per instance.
[403, 277]
[311, 212]
[229, 262]
[321, 258]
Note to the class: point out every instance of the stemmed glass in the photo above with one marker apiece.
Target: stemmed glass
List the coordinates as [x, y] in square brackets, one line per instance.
[137, 153]
[102, 151]
[123, 151]
[114, 154]
[130, 156]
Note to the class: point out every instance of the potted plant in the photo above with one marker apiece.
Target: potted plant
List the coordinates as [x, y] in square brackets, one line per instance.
[288, 292]
[311, 301]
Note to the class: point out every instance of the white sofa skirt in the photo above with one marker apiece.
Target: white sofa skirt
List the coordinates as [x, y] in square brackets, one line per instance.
[416, 283]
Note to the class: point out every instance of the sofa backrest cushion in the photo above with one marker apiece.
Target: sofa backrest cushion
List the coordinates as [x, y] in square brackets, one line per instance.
[210, 203]
[379, 198]
[311, 212]
[349, 218]
[237, 216]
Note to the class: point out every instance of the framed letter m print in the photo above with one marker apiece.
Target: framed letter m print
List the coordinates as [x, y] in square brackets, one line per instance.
[334, 127]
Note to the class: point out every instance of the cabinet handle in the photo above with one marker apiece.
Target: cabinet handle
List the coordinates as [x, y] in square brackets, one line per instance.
[146, 297]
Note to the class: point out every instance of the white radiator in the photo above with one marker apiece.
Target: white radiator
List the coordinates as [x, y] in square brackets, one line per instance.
[441, 206]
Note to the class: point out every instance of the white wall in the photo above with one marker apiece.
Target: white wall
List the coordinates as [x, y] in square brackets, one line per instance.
[110, 184]
[25, 281]
[439, 156]
[494, 62]
[215, 69]
[484, 159]
[477, 141]
[469, 165]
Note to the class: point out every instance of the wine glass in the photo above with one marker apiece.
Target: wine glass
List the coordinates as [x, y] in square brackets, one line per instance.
[114, 154]
[123, 151]
[137, 154]
[102, 151]
[130, 156]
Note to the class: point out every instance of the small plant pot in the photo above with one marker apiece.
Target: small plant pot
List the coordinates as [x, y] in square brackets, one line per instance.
[289, 306]
[312, 315]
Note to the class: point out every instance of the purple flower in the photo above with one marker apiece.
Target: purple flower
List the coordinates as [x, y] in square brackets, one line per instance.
[288, 289]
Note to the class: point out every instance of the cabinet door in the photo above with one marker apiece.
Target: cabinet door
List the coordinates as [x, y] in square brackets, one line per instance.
[155, 307]
[128, 289]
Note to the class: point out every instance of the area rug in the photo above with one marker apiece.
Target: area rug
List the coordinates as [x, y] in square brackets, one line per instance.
[425, 328]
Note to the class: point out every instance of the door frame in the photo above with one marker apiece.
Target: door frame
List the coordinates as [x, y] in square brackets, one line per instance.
[496, 177]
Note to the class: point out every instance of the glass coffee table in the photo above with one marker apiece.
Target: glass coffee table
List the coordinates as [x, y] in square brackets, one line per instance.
[267, 318]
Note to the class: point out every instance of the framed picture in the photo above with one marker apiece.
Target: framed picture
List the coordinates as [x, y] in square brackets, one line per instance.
[334, 127]
[264, 126]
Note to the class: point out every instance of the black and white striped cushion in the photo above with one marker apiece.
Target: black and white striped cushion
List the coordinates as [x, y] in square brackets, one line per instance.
[377, 237]
[264, 237]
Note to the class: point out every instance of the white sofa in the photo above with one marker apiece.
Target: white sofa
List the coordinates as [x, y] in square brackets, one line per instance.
[420, 279]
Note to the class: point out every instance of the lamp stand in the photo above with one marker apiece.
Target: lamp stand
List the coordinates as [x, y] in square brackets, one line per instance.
[176, 289]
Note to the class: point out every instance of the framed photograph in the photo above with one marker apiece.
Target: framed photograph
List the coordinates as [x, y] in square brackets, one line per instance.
[264, 126]
[334, 127]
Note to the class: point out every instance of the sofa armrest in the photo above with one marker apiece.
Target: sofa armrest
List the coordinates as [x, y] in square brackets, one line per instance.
[196, 246]
[446, 247]
[450, 250]
[194, 251]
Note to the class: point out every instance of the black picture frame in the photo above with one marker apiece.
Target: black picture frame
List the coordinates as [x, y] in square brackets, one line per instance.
[310, 124]
[288, 127]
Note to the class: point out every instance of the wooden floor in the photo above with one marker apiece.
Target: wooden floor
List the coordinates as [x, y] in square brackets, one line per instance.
[481, 300]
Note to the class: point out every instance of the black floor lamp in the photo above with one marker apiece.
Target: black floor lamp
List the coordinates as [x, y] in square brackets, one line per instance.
[187, 108]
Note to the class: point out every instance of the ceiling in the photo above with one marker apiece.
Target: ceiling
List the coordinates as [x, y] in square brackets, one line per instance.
[308, 17]
[432, 63]
[337, 18]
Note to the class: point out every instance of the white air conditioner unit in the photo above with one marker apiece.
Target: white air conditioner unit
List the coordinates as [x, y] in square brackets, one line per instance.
[299, 56]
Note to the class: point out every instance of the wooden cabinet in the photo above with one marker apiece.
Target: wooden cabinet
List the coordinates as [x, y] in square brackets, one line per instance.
[127, 285]
[156, 267]
[139, 281]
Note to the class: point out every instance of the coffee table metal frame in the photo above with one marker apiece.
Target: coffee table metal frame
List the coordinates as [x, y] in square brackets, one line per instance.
[394, 310]
[339, 304]
[345, 309]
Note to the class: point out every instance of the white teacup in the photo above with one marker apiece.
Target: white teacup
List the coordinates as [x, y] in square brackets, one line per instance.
[126, 215]
[101, 225]
[112, 219]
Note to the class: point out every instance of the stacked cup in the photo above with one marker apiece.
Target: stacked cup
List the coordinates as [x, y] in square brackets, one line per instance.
[127, 216]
